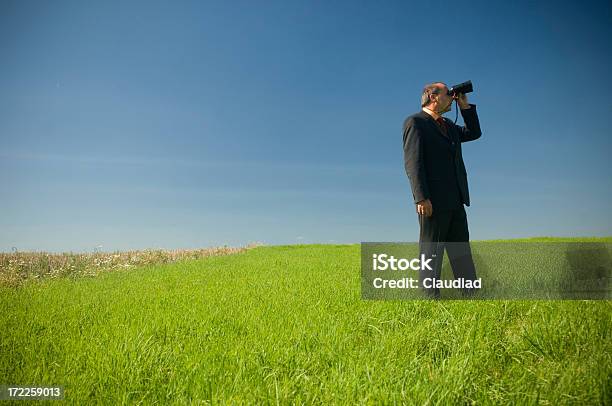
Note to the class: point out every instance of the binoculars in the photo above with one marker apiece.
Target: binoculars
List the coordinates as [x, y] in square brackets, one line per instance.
[461, 88]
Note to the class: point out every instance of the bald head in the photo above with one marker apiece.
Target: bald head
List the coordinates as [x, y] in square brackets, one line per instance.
[431, 89]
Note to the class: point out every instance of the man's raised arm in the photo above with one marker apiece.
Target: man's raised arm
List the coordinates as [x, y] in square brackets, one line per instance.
[471, 131]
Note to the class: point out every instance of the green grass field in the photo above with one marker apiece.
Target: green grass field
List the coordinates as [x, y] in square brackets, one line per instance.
[286, 324]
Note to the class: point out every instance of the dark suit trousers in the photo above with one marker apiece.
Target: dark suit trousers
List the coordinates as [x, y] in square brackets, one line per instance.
[446, 226]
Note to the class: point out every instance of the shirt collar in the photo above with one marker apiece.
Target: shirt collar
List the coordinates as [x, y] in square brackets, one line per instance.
[428, 112]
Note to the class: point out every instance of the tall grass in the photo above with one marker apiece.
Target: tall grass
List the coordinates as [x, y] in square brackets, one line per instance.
[281, 325]
[18, 267]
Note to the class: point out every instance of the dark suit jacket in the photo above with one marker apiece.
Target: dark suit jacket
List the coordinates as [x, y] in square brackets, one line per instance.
[434, 163]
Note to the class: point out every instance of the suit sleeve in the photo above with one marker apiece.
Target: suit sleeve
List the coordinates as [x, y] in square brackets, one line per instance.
[414, 160]
[471, 131]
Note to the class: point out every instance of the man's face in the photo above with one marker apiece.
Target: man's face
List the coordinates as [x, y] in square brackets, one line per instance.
[444, 100]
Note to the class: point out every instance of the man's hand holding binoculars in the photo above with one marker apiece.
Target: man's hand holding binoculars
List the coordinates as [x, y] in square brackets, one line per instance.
[462, 100]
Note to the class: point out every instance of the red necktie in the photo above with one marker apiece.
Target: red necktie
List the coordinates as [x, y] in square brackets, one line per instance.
[442, 125]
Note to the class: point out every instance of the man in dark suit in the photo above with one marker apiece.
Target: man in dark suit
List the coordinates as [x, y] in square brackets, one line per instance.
[435, 168]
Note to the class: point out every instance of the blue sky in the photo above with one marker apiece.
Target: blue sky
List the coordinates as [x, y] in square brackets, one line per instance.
[189, 124]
